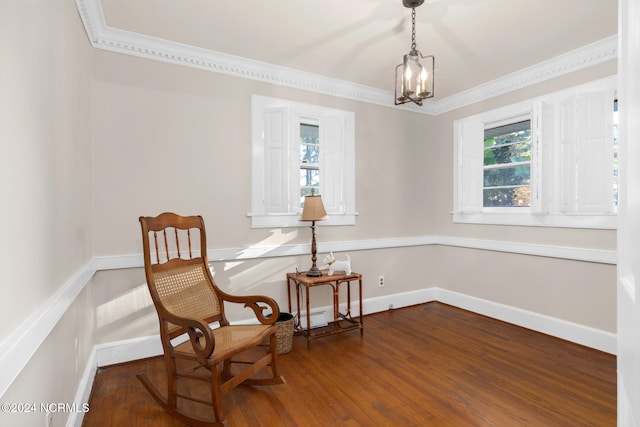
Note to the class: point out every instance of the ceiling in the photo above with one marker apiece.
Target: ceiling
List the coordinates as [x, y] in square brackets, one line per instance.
[361, 41]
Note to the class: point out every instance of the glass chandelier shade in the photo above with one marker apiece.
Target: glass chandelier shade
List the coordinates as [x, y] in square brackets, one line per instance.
[414, 77]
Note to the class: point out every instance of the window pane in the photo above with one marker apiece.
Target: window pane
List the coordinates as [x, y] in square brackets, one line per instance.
[309, 161]
[516, 175]
[310, 178]
[518, 152]
[507, 134]
[309, 154]
[507, 186]
[309, 144]
[507, 197]
[309, 133]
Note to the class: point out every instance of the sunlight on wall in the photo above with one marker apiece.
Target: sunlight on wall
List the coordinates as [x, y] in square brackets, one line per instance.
[276, 240]
[256, 276]
[124, 305]
[243, 278]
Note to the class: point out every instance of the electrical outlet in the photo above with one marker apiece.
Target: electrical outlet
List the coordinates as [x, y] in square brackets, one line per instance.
[380, 281]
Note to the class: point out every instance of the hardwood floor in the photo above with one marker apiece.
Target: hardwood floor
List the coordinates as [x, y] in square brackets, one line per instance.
[426, 365]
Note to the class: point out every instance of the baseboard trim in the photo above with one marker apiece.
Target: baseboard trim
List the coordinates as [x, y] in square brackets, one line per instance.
[84, 390]
[126, 350]
[569, 331]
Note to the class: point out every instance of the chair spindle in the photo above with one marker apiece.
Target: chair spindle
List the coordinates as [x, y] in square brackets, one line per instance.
[166, 243]
[175, 229]
[155, 239]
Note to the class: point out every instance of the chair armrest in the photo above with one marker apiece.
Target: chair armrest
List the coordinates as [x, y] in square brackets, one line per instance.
[254, 303]
[197, 330]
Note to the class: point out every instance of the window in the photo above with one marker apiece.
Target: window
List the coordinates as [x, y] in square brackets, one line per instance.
[549, 161]
[309, 159]
[297, 148]
[507, 165]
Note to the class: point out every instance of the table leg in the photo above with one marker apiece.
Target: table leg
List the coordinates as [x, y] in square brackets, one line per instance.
[289, 294]
[360, 304]
[349, 299]
[308, 332]
[297, 321]
[336, 306]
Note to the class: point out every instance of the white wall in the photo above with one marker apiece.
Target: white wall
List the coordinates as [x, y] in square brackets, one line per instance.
[629, 229]
[45, 184]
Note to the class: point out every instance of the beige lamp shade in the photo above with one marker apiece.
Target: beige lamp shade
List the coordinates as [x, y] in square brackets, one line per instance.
[313, 209]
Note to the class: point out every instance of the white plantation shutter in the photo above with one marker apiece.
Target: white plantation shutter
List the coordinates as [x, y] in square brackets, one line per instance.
[595, 152]
[469, 161]
[586, 153]
[277, 159]
[332, 158]
[541, 134]
[567, 155]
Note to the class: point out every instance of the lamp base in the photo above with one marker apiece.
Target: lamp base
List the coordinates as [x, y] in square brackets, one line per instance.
[314, 272]
[412, 3]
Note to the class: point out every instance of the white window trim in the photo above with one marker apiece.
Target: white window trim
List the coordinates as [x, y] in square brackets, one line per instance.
[337, 176]
[555, 196]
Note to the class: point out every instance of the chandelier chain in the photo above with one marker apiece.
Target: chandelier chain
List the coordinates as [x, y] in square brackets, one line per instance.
[413, 28]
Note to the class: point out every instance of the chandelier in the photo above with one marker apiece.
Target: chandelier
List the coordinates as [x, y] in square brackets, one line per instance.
[414, 77]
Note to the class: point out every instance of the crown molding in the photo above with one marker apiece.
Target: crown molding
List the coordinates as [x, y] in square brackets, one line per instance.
[587, 56]
[104, 37]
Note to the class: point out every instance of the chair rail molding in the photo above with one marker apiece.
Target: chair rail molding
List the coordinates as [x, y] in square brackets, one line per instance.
[102, 36]
[601, 256]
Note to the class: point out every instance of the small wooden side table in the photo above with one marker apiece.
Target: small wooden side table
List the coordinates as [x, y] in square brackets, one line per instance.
[342, 322]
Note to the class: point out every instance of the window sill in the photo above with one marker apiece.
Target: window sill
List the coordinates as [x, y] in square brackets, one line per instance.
[293, 220]
[598, 221]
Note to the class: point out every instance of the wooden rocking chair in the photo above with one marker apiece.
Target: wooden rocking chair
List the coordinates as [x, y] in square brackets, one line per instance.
[188, 302]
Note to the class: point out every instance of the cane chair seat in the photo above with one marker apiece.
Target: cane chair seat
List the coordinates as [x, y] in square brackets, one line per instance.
[229, 338]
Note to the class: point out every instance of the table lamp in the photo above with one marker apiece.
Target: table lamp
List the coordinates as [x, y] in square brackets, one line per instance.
[313, 211]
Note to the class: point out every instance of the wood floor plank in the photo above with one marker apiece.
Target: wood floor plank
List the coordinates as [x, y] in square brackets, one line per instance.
[426, 365]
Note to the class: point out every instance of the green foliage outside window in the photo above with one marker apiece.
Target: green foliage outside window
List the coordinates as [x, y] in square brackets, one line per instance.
[507, 166]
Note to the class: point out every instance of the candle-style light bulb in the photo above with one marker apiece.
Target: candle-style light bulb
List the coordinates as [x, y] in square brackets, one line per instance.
[422, 85]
